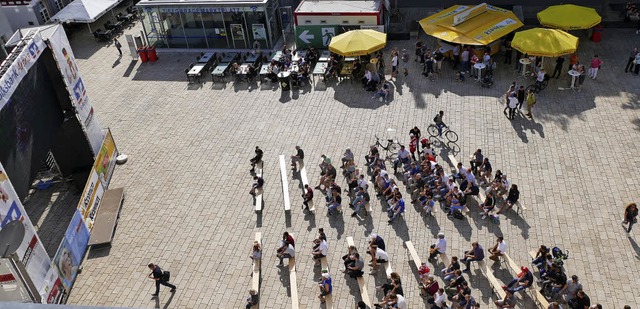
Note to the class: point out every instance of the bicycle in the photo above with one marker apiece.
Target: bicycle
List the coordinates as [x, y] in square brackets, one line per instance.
[535, 88]
[448, 133]
[391, 148]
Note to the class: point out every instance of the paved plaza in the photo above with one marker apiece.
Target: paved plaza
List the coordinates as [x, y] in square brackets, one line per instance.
[187, 205]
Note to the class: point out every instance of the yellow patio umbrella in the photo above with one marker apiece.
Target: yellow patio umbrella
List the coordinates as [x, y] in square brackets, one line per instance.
[358, 42]
[545, 42]
[569, 17]
[471, 25]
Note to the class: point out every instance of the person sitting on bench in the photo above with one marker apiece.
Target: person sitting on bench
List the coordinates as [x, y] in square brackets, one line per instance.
[335, 203]
[355, 269]
[298, 157]
[256, 253]
[429, 286]
[498, 249]
[253, 299]
[450, 271]
[378, 256]
[439, 247]
[286, 251]
[320, 251]
[522, 281]
[488, 205]
[257, 158]
[257, 185]
[475, 254]
[326, 287]
[512, 199]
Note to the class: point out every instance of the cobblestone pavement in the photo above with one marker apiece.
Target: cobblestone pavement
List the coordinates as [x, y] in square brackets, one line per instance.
[187, 178]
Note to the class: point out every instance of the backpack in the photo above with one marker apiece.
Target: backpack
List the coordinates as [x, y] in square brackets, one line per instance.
[559, 256]
[458, 214]
[435, 119]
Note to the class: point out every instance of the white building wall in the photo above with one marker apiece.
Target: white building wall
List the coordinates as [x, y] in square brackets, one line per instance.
[20, 16]
[5, 28]
[368, 20]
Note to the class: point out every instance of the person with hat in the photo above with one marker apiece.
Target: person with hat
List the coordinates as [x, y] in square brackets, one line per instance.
[521, 282]
[326, 287]
[440, 246]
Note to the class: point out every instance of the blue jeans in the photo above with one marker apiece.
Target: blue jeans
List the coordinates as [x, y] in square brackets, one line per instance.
[440, 126]
[391, 213]
[399, 161]
[333, 207]
[516, 289]
[467, 262]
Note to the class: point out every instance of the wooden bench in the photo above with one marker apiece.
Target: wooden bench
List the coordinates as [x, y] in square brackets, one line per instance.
[495, 284]
[285, 183]
[255, 280]
[305, 181]
[414, 254]
[511, 263]
[453, 161]
[445, 259]
[106, 218]
[364, 295]
[535, 292]
[293, 283]
[258, 197]
[328, 299]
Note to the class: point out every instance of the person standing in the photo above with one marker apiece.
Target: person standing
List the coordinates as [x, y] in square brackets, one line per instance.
[405, 62]
[632, 56]
[595, 66]
[630, 215]
[418, 50]
[637, 69]
[520, 94]
[160, 278]
[578, 67]
[118, 46]
[465, 60]
[508, 50]
[394, 65]
[558, 68]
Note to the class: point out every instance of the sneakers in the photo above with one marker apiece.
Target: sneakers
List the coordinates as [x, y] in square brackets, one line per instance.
[484, 216]
[173, 290]
[154, 295]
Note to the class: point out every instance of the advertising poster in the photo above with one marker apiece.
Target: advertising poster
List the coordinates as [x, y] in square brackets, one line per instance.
[19, 68]
[31, 252]
[52, 289]
[71, 250]
[75, 86]
[259, 33]
[236, 32]
[98, 181]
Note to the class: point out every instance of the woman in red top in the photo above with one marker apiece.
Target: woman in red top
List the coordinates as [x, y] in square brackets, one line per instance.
[595, 65]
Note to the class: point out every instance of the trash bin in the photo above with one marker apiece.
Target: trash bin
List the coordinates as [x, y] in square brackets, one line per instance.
[151, 53]
[597, 33]
[285, 82]
[142, 51]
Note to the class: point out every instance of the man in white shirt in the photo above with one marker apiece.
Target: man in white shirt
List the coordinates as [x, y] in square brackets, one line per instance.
[289, 252]
[540, 78]
[440, 246]
[321, 251]
[462, 171]
[397, 301]
[404, 157]
[499, 249]
[379, 256]
[440, 298]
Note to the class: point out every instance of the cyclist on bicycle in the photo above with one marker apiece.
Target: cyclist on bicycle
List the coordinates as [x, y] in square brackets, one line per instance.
[439, 123]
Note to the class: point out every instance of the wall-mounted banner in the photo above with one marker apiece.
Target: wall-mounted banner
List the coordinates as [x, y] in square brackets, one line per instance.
[19, 68]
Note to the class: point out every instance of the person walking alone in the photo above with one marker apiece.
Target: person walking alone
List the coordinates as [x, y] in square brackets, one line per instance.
[632, 56]
[118, 46]
[558, 68]
[630, 215]
[160, 277]
[595, 66]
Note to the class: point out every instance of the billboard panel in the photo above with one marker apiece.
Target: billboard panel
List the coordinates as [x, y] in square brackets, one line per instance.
[19, 68]
[31, 252]
[63, 55]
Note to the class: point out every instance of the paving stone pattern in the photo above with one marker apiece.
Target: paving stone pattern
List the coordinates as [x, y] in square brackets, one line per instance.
[187, 205]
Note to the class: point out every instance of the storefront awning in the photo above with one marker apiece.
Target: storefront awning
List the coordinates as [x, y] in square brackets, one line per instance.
[477, 25]
[85, 11]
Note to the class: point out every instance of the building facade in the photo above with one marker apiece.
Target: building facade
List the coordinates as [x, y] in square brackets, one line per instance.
[211, 24]
[29, 13]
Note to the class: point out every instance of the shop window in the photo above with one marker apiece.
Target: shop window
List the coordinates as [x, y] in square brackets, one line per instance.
[307, 22]
[361, 21]
[323, 21]
[345, 21]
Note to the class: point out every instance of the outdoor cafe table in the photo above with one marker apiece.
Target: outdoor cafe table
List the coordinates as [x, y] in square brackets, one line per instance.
[524, 62]
[264, 70]
[574, 75]
[219, 70]
[300, 54]
[229, 57]
[196, 70]
[252, 58]
[206, 57]
[277, 56]
[319, 69]
[347, 70]
[479, 66]
[324, 56]
[243, 71]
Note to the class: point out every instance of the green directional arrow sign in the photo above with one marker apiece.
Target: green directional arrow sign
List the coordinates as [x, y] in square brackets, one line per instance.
[318, 36]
